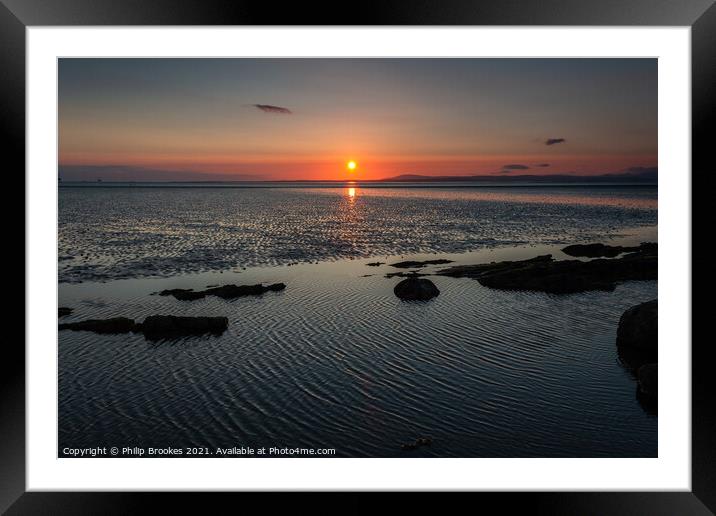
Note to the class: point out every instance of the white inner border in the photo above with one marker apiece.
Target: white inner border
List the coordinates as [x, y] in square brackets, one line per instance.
[670, 471]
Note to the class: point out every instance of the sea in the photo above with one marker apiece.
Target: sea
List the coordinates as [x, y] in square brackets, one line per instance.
[337, 361]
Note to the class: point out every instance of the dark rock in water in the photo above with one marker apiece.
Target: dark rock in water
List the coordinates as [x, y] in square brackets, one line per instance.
[157, 327]
[648, 375]
[411, 264]
[420, 441]
[63, 310]
[375, 264]
[154, 327]
[648, 390]
[414, 288]
[224, 292]
[544, 274]
[233, 291]
[607, 251]
[183, 294]
[638, 328]
[115, 325]
[404, 274]
[592, 250]
[633, 358]
[648, 247]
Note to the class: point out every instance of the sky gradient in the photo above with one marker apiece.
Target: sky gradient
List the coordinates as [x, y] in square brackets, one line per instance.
[292, 119]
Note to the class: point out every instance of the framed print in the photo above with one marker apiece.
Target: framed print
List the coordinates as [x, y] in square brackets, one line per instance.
[420, 250]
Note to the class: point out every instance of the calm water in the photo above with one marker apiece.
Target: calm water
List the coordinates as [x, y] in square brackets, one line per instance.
[336, 360]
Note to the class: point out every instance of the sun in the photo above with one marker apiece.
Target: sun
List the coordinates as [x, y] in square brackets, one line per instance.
[351, 165]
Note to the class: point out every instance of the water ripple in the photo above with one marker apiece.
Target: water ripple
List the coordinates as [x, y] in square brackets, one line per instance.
[336, 360]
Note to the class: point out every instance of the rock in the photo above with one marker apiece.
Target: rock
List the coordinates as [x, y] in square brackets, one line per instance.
[648, 247]
[593, 250]
[375, 264]
[638, 328]
[63, 311]
[224, 292]
[633, 359]
[648, 376]
[404, 274]
[602, 250]
[648, 390]
[114, 325]
[412, 264]
[183, 294]
[420, 441]
[157, 327]
[544, 274]
[414, 288]
[233, 291]
[154, 327]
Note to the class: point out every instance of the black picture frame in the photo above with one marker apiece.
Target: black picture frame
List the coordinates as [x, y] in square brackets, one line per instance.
[700, 15]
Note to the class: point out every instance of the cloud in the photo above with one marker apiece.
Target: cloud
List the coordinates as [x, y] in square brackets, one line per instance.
[267, 108]
[515, 167]
[542, 165]
[554, 141]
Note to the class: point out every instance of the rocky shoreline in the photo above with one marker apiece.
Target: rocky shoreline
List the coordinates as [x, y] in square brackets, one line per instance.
[159, 327]
[637, 343]
[605, 251]
[545, 274]
[636, 338]
[636, 335]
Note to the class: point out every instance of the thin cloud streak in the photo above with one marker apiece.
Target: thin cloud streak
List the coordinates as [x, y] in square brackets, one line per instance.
[268, 108]
[554, 141]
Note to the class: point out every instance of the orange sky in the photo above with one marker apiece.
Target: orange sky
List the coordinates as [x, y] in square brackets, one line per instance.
[292, 119]
[369, 167]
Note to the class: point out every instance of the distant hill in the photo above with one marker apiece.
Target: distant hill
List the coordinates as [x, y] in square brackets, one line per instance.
[634, 175]
[129, 173]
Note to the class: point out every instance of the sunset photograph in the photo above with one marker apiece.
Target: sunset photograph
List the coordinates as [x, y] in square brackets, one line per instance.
[357, 257]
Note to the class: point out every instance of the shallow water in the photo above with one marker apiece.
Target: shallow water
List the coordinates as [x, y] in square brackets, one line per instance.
[337, 361]
[111, 232]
